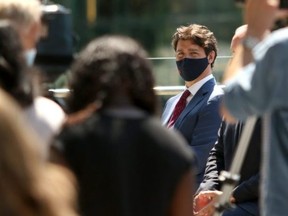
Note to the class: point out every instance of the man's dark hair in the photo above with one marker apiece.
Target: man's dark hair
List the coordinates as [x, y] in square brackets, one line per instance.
[199, 34]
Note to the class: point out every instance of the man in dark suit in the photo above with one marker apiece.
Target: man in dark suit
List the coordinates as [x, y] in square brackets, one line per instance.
[198, 120]
[246, 194]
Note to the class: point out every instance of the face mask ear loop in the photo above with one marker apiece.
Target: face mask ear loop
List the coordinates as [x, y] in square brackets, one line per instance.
[30, 56]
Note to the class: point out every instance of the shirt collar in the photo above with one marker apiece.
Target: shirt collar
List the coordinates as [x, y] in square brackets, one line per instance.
[196, 86]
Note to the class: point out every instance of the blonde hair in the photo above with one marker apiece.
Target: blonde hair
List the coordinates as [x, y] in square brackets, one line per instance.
[29, 185]
[22, 13]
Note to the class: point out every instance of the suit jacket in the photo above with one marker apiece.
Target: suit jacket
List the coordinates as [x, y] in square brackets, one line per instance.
[199, 121]
[220, 158]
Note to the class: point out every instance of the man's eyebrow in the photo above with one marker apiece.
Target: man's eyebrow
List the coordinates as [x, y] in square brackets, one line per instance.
[190, 49]
[193, 49]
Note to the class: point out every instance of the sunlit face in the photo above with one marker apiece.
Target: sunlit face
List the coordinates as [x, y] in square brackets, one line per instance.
[188, 49]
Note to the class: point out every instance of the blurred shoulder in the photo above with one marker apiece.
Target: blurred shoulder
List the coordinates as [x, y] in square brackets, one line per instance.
[168, 138]
[218, 92]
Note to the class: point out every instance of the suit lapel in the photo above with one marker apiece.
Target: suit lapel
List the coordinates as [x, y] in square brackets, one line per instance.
[201, 96]
[169, 108]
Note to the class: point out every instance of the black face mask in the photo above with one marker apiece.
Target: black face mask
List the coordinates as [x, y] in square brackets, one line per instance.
[190, 68]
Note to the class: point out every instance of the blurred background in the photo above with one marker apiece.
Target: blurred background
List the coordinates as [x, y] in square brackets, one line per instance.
[152, 23]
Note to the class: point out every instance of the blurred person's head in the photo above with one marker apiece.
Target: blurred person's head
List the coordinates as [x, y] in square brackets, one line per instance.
[196, 50]
[240, 33]
[112, 71]
[237, 38]
[28, 186]
[25, 15]
[13, 78]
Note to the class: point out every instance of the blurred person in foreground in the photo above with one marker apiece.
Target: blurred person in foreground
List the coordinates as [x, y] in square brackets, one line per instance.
[44, 115]
[198, 121]
[125, 161]
[29, 185]
[245, 196]
[257, 86]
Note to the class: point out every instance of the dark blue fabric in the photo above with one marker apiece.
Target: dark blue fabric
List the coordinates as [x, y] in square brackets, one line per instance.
[190, 68]
[220, 158]
[199, 122]
[244, 209]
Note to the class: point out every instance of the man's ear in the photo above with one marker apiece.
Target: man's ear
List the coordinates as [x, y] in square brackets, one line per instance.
[211, 57]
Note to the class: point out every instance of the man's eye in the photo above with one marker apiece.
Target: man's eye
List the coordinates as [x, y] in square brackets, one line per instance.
[193, 54]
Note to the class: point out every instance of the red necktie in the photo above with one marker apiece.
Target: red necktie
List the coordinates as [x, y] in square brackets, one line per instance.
[179, 108]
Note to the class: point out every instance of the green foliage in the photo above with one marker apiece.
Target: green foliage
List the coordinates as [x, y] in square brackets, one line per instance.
[152, 23]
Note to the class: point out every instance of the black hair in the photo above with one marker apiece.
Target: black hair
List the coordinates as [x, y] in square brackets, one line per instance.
[14, 78]
[107, 66]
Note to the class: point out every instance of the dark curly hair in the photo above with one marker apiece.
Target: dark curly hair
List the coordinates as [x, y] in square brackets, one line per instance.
[109, 67]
